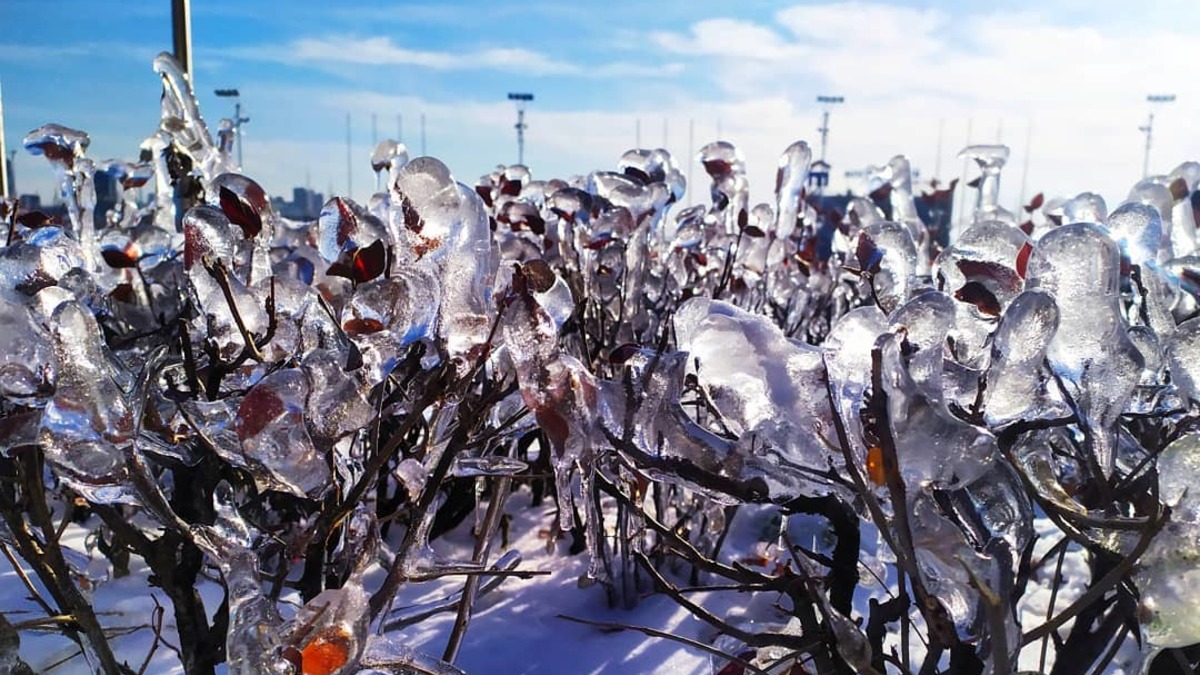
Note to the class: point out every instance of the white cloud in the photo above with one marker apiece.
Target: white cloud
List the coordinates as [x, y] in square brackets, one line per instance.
[861, 24]
[47, 55]
[331, 51]
[381, 51]
[906, 71]
[729, 39]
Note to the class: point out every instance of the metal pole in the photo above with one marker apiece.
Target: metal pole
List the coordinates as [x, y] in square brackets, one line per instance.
[691, 161]
[962, 183]
[4, 186]
[521, 99]
[237, 129]
[1025, 169]
[824, 132]
[422, 133]
[1152, 99]
[521, 135]
[400, 128]
[237, 120]
[349, 161]
[937, 161]
[374, 144]
[1149, 129]
[827, 102]
[181, 35]
[637, 133]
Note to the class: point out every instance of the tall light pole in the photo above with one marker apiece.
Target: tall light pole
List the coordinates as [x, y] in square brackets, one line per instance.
[238, 120]
[181, 36]
[1152, 99]
[827, 102]
[520, 100]
[6, 190]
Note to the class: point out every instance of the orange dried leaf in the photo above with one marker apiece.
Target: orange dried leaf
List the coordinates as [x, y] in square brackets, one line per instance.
[324, 655]
[875, 465]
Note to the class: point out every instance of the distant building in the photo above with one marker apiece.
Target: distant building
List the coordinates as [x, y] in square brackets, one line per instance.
[108, 194]
[305, 204]
[935, 208]
[30, 202]
[818, 175]
[830, 210]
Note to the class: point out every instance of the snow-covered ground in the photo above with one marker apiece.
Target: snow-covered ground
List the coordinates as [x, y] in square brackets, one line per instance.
[517, 627]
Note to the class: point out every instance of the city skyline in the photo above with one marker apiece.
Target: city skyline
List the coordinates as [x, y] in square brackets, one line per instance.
[1063, 85]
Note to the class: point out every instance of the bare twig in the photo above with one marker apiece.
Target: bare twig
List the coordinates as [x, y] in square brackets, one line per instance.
[483, 545]
[669, 636]
[221, 275]
[752, 639]
[1101, 587]
[1054, 584]
[24, 577]
[156, 624]
[48, 562]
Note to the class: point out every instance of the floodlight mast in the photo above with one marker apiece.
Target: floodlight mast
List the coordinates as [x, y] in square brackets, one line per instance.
[238, 120]
[1152, 99]
[181, 37]
[520, 99]
[6, 190]
[827, 102]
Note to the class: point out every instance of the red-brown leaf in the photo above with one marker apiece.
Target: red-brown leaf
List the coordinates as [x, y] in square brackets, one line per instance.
[978, 270]
[623, 353]
[868, 254]
[34, 219]
[485, 193]
[717, 167]
[240, 213]
[362, 326]
[361, 264]
[117, 258]
[347, 221]
[260, 407]
[538, 275]
[1023, 258]
[977, 294]
[556, 428]
[412, 219]
[370, 262]
[1179, 188]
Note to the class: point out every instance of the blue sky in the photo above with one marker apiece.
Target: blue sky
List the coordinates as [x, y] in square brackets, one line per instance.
[1068, 77]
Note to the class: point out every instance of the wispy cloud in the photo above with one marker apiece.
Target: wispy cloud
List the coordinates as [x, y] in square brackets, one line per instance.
[915, 80]
[1011, 59]
[52, 55]
[337, 50]
[1081, 85]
